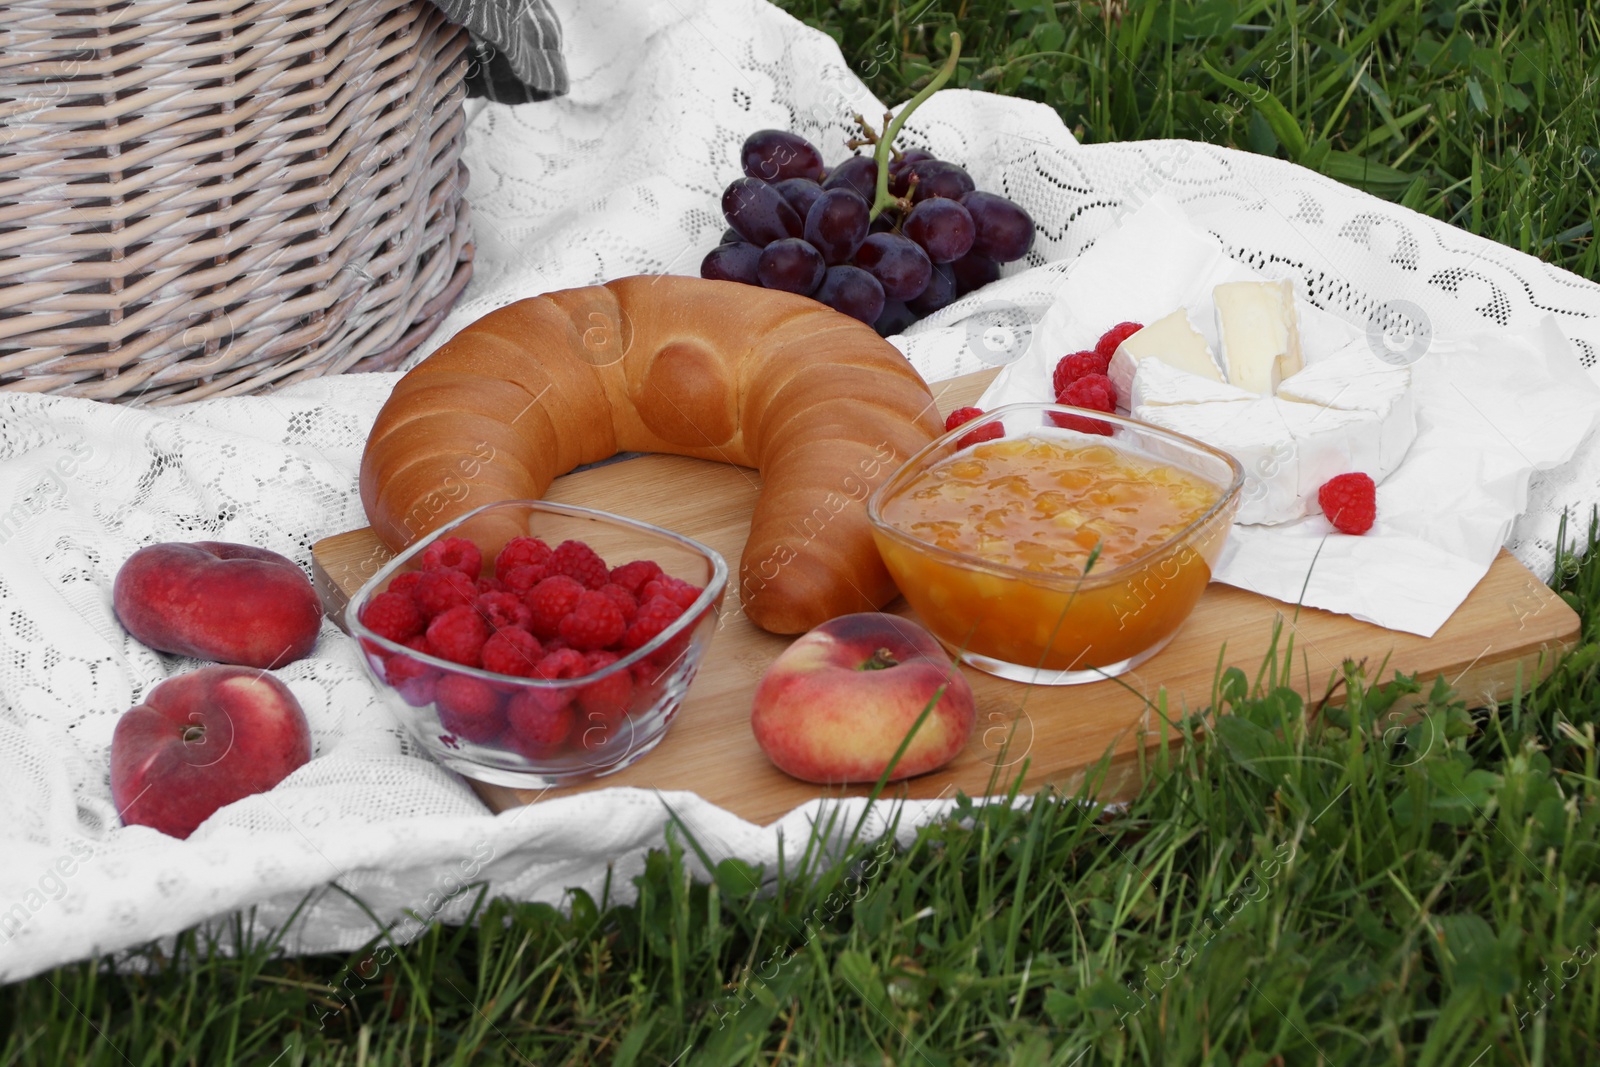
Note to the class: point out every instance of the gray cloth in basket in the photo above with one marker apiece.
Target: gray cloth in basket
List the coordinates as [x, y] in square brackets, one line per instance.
[516, 49]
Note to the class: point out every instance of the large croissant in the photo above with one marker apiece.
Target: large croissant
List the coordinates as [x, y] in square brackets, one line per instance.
[814, 399]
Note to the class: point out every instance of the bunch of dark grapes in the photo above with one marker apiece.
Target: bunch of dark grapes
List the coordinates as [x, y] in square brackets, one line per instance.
[799, 227]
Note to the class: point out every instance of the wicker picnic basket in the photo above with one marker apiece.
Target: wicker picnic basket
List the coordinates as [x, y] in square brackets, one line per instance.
[214, 197]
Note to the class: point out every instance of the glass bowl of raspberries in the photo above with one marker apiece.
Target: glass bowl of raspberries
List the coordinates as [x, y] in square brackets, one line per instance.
[534, 644]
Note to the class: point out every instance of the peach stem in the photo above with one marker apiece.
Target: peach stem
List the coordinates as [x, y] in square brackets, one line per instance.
[880, 659]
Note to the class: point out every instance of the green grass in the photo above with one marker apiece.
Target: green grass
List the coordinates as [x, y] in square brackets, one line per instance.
[1292, 889]
[1478, 113]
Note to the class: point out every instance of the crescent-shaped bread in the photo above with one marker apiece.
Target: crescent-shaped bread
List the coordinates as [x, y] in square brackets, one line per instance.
[816, 401]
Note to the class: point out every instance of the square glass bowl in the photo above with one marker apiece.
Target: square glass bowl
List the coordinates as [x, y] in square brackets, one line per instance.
[614, 716]
[1053, 628]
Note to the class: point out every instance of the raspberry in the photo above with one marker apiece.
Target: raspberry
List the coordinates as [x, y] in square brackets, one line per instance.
[1078, 365]
[632, 576]
[521, 578]
[393, 615]
[550, 602]
[1095, 392]
[501, 610]
[671, 654]
[594, 623]
[655, 615]
[1081, 424]
[410, 677]
[676, 590]
[405, 583]
[992, 432]
[645, 675]
[960, 416]
[540, 720]
[513, 652]
[439, 591]
[625, 601]
[1350, 501]
[469, 708]
[490, 585]
[541, 717]
[418, 692]
[453, 554]
[458, 635]
[608, 698]
[599, 661]
[562, 664]
[577, 560]
[521, 552]
[1106, 347]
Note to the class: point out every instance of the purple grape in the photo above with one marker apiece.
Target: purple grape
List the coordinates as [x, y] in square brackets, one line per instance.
[942, 227]
[773, 155]
[859, 173]
[887, 220]
[801, 193]
[900, 169]
[1002, 231]
[731, 236]
[837, 224]
[893, 319]
[941, 290]
[973, 271]
[732, 262]
[852, 291]
[936, 178]
[792, 265]
[899, 264]
[759, 212]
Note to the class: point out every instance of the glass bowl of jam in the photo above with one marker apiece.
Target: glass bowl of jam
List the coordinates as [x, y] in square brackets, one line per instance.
[1055, 545]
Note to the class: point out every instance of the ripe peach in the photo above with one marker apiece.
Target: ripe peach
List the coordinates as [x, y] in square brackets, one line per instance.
[222, 602]
[835, 706]
[201, 741]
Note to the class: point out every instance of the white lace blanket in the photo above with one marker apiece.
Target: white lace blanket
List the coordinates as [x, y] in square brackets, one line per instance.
[623, 176]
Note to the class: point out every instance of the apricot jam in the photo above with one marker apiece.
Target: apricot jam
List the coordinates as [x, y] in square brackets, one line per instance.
[1051, 508]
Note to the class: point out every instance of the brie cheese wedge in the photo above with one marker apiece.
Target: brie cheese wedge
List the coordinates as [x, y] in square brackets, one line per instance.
[1259, 333]
[1353, 379]
[1174, 341]
[1287, 449]
[1327, 442]
[1156, 381]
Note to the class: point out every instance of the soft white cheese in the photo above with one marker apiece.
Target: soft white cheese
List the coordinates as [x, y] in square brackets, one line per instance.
[1327, 441]
[1252, 432]
[1258, 332]
[1287, 449]
[1156, 381]
[1353, 379]
[1174, 341]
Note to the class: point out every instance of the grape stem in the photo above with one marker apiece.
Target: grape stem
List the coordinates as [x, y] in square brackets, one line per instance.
[869, 136]
[884, 200]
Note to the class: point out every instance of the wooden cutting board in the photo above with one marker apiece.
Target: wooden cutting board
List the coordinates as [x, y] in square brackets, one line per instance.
[1508, 631]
